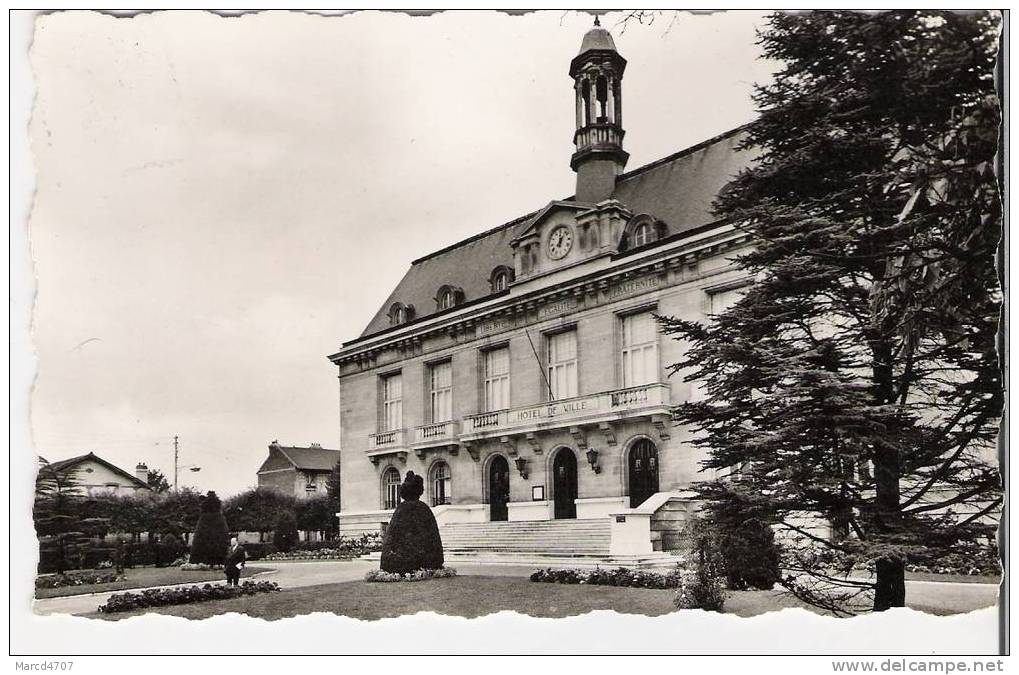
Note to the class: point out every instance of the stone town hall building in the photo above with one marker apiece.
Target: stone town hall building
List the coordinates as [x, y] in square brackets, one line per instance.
[521, 372]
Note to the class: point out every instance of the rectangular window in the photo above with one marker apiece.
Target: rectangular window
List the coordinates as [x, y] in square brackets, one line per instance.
[562, 365]
[497, 379]
[442, 391]
[392, 402]
[723, 300]
[640, 350]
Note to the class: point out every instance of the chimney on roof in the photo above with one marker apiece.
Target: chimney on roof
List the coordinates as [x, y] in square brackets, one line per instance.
[141, 472]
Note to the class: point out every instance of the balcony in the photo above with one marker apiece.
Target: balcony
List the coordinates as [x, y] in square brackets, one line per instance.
[436, 435]
[650, 401]
[387, 443]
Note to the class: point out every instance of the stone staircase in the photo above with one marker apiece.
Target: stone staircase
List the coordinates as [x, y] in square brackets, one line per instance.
[545, 538]
[543, 543]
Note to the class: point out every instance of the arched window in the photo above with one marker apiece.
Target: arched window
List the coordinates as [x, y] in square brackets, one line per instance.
[390, 488]
[500, 278]
[400, 313]
[602, 93]
[448, 296]
[585, 94]
[442, 481]
[642, 230]
[642, 235]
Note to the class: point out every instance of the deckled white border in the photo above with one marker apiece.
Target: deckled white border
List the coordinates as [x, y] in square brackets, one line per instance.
[786, 632]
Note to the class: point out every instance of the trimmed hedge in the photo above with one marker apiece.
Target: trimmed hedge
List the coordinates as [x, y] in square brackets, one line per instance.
[135, 555]
[259, 550]
[211, 537]
[285, 537]
[161, 597]
[617, 577]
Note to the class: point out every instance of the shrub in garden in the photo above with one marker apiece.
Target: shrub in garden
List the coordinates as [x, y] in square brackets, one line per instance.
[706, 589]
[160, 597]
[416, 575]
[170, 547]
[750, 556]
[285, 536]
[412, 540]
[605, 577]
[199, 567]
[258, 550]
[76, 579]
[211, 534]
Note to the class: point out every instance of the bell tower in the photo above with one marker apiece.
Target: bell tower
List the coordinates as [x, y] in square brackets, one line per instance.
[597, 72]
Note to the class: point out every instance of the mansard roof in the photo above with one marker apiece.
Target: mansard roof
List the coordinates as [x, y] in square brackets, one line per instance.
[678, 189]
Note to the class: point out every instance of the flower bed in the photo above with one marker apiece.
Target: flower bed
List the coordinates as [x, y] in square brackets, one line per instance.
[337, 549]
[77, 579]
[199, 567]
[617, 577]
[160, 597]
[321, 554]
[417, 575]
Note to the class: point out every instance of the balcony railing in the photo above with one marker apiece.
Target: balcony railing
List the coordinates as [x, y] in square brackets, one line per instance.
[437, 433]
[647, 401]
[386, 439]
[605, 405]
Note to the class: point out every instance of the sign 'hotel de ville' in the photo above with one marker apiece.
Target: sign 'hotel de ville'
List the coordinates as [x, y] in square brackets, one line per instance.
[521, 371]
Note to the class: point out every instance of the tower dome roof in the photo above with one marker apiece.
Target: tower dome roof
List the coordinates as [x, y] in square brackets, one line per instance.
[597, 38]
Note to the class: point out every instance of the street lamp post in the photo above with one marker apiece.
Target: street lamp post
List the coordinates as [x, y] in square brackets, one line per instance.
[194, 468]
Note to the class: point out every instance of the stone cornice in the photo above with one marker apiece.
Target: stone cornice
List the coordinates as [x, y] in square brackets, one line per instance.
[465, 323]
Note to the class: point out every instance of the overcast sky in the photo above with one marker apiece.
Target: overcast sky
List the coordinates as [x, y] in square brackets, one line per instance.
[221, 202]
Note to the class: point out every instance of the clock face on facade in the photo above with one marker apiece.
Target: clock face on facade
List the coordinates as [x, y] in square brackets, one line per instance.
[559, 242]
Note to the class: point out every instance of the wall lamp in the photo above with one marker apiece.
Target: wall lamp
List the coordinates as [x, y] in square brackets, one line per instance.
[592, 459]
[521, 466]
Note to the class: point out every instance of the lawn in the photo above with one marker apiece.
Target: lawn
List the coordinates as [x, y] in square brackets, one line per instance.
[143, 577]
[474, 596]
[467, 596]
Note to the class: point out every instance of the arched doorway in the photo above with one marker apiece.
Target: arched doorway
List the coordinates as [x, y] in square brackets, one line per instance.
[642, 471]
[564, 483]
[498, 488]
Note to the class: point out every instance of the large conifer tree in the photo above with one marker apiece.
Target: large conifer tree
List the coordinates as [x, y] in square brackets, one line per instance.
[856, 382]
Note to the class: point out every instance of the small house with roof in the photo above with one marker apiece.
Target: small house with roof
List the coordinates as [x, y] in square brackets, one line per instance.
[95, 476]
[298, 471]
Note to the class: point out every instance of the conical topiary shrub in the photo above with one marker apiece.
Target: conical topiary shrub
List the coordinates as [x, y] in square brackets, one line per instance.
[285, 537]
[212, 538]
[412, 540]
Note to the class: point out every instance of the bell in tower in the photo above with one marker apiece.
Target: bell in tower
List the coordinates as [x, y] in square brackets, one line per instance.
[597, 72]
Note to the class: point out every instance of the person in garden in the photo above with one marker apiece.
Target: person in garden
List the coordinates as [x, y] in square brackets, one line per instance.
[235, 559]
[412, 540]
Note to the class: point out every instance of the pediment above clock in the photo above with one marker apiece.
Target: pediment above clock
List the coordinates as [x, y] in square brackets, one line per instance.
[533, 227]
[565, 234]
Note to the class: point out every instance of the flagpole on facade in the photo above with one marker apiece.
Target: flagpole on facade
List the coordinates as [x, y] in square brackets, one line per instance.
[541, 366]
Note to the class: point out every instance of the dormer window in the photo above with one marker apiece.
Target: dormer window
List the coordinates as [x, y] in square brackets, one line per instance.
[400, 313]
[642, 234]
[641, 231]
[500, 278]
[448, 297]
